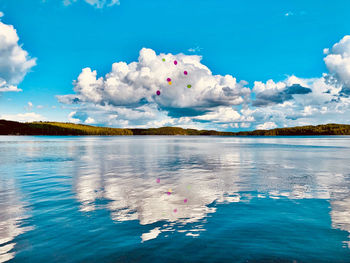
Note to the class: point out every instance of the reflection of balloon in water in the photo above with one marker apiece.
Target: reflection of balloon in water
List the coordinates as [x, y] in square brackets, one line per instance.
[163, 59]
[185, 72]
[168, 79]
[169, 82]
[189, 86]
[158, 92]
[175, 62]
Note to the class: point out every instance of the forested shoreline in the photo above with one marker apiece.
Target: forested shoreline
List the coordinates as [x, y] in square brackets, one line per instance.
[60, 128]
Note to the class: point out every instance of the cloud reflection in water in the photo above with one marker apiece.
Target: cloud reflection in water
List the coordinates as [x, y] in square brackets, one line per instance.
[205, 172]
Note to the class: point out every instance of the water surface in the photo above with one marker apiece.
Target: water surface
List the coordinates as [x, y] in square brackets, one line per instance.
[173, 199]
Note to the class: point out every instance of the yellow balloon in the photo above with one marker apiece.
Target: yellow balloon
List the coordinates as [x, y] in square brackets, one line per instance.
[169, 82]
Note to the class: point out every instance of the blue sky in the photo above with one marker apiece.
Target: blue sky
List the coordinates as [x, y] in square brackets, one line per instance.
[254, 41]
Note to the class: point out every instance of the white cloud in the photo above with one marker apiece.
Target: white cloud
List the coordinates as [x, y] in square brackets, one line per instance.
[290, 13]
[102, 3]
[1, 14]
[194, 49]
[245, 124]
[266, 126]
[95, 3]
[128, 92]
[136, 84]
[338, 62]
[270, 93]
[14, 61]
[225, 115]
[71, 117]
[29, 106]
[309, 110]
[23, 117]
[221, 114]
[6, 88]
[89, 120]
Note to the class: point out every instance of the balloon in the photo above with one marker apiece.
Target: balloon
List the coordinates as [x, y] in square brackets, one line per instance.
[189, 86]
[168, 79]
[175, 62]
[158, 92]
[185, 72]
[163, 59]
[185, 200]
[169, 82]
[158, 180]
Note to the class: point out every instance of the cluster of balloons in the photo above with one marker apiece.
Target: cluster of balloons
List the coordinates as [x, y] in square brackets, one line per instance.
[169, 79]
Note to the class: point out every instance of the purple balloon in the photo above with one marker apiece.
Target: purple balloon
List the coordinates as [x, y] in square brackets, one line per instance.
[158, 92]
[168, 79]
[175, 62]
[185, 72]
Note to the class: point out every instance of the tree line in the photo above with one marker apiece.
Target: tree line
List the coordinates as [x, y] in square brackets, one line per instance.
[61, 128]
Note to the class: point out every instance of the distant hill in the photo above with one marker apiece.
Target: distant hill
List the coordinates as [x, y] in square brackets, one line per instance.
[56, 128]
[60, 128]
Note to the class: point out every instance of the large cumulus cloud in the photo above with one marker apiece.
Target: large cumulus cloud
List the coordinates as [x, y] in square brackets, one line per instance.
[14, 60]
[132, 87]
[338, 63]
[126, 96]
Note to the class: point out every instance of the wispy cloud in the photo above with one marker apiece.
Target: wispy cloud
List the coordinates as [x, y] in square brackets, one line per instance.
[95, 3]
[29, 106]
[194, 49]
[297, 13]
[23, 117]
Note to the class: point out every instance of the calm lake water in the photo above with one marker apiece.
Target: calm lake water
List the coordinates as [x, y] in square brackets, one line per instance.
[174, 199]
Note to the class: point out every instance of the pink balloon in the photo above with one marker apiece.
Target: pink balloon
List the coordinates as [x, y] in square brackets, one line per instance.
[175, 62]
[185, 72]
[158, 181]
[158, 92]
[168, 79]
[175, 210]
[185, 200]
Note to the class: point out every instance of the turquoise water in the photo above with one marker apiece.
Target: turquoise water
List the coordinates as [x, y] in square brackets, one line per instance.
[174, 199]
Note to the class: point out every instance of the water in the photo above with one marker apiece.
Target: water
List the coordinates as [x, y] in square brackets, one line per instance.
[174, 199]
